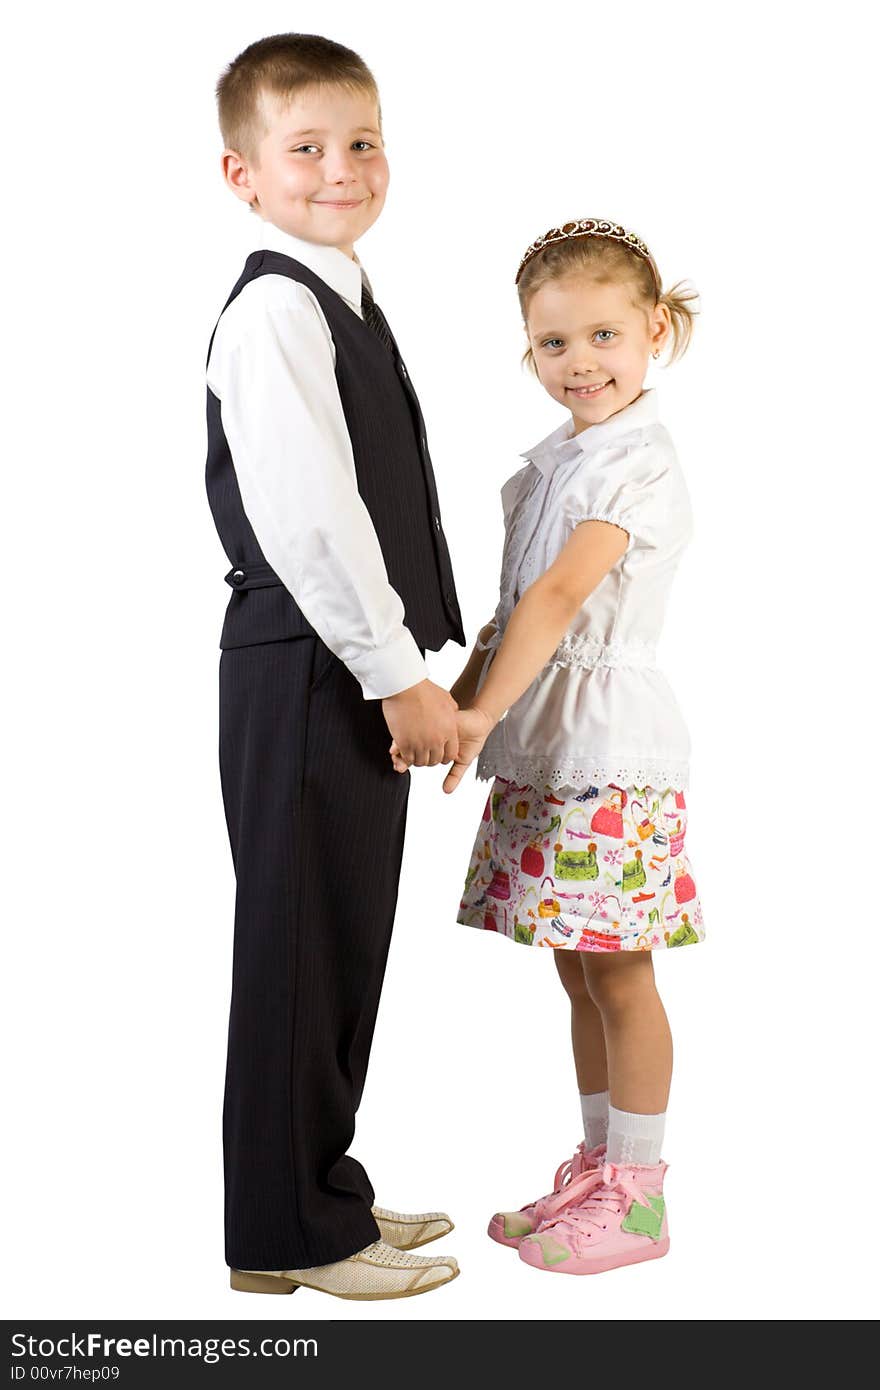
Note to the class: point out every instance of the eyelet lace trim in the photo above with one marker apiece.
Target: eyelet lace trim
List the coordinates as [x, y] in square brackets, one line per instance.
[584, 652]
[588, 651]
[578, 772]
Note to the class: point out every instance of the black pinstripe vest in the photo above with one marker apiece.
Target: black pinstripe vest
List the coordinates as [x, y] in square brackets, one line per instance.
[394, 478]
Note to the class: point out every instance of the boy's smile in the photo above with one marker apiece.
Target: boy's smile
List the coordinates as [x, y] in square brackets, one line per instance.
[592, 345]
[321, 171]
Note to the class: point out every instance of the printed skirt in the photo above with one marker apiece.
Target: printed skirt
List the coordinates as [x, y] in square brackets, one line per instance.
[598, 870]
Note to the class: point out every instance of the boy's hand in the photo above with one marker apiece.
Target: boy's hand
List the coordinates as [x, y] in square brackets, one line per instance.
[421, 721]
[474, 727]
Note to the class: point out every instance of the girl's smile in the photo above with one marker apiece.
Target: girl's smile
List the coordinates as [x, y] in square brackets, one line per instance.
[586, 392]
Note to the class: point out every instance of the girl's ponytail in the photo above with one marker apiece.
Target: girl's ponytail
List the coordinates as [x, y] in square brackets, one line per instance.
[678, 301]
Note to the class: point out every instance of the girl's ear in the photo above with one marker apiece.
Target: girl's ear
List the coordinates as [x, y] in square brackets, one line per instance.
[662, 326]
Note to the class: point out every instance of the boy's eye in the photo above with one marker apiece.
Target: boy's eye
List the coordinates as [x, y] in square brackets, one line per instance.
[298, 148]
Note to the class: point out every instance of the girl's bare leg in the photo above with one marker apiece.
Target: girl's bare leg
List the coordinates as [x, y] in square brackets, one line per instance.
[587, 1033]
[638, 1042]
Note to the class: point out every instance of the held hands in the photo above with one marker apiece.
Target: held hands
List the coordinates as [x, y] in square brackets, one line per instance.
[421, 721]
[474, 726]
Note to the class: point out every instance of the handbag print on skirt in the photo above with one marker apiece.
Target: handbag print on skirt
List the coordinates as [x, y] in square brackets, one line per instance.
[599, 870]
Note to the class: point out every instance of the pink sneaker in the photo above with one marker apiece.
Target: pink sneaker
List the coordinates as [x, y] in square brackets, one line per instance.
[614, 1215]
[509, 1227]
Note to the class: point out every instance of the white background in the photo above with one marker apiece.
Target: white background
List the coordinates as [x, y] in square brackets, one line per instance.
[736, 142]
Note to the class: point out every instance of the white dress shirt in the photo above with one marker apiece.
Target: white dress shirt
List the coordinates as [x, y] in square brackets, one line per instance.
[600, 711]
[272, 366]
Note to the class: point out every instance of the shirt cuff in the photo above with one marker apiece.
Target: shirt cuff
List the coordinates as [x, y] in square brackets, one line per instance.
[388, 670]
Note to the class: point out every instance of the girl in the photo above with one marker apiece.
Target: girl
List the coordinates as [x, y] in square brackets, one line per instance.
[582, 845]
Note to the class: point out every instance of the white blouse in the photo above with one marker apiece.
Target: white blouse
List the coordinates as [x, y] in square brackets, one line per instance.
[601, 711]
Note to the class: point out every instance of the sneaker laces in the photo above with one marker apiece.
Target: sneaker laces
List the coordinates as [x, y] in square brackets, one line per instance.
[582, 1161]
[568, 1171]
[606, 1188]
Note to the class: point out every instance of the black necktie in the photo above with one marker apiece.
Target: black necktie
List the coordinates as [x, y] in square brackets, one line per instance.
[375, 319]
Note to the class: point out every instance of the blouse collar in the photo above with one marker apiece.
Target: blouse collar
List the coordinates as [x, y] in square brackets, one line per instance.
[336, 269]
[563, 444]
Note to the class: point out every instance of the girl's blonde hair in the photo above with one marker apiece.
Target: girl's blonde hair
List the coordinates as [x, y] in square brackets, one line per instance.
[608, 262]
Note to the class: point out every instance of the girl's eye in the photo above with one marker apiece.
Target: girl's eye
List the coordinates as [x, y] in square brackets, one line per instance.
[548, 342]
[609, 331]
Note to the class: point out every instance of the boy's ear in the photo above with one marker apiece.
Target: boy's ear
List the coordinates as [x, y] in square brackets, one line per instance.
[236, 176]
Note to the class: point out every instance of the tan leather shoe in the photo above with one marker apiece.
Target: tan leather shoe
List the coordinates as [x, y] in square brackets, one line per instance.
[379, 1271]
[407, 1232]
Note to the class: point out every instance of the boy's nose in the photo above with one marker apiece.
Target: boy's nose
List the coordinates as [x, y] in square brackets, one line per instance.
[340, 169]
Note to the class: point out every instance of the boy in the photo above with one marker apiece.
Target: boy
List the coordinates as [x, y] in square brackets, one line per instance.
[322, 491]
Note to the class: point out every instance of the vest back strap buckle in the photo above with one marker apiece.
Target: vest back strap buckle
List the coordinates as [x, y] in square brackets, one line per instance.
[252, 576]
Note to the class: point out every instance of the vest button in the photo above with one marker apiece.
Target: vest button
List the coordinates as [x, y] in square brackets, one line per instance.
[238, 576]
[424, 443]
[402, 370]
[437, 522]
[450, 597]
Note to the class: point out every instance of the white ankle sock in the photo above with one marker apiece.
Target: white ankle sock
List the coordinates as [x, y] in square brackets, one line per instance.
[634, 1138]
[594, 1109]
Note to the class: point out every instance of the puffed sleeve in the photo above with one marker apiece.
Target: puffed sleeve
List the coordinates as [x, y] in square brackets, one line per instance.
[635, 485]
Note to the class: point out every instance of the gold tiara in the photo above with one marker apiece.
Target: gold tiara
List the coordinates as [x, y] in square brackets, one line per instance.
[591, 226]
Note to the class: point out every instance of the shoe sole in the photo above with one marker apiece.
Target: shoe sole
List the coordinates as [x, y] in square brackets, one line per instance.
[244, 1282]
[602, 1266]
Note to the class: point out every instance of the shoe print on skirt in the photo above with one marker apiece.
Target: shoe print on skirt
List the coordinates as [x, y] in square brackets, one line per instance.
[598, 870]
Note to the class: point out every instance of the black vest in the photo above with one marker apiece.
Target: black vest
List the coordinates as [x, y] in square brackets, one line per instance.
[394, 478]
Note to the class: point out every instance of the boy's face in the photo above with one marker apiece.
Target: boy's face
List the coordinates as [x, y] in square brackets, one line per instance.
[322, 173]
[585, 334]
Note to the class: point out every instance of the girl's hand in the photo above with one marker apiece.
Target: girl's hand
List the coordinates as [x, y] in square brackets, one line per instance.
[474, 727]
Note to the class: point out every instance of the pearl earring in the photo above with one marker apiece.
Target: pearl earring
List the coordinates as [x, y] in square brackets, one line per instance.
[655, 354]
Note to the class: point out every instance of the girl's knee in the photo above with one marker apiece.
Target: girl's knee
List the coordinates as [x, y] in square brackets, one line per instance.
[618, 982]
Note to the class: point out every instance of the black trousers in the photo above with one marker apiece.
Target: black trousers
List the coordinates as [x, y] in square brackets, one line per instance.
[316, 817]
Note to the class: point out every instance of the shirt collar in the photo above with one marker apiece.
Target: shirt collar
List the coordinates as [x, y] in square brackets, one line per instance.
[563, 444]
[339, 271]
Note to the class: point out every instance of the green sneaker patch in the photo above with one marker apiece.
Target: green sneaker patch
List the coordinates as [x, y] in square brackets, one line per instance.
[551, 1251]
[516, 1225]
[645, 1221]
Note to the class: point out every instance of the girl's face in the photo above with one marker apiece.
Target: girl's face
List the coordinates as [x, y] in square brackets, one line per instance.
[592, 345]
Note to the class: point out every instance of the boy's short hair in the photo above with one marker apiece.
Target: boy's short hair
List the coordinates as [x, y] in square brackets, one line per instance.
[282, 66]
